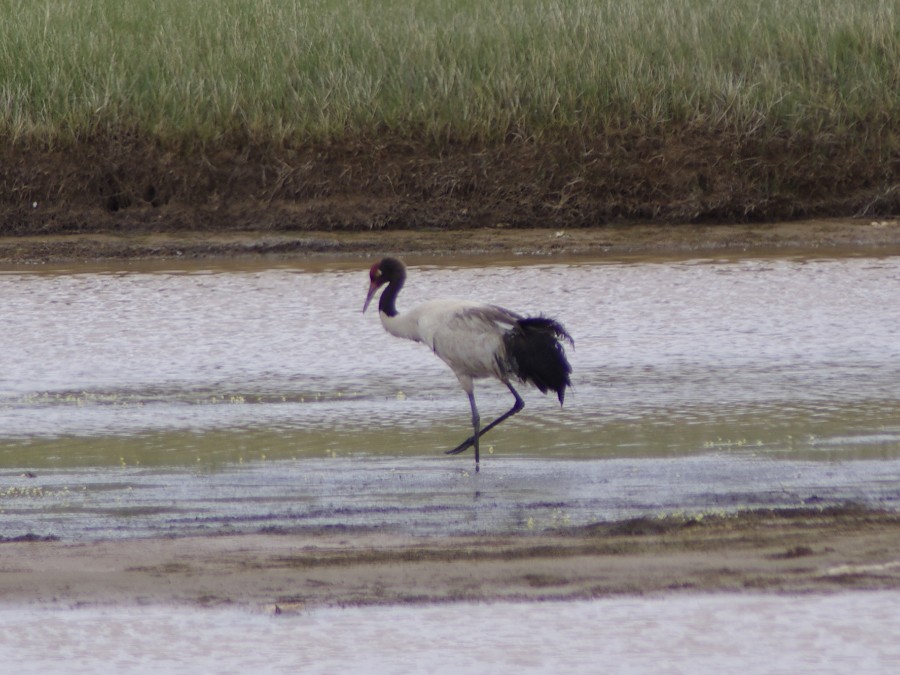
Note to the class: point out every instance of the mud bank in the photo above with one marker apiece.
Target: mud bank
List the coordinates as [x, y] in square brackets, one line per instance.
[784, 551]
[867, 235]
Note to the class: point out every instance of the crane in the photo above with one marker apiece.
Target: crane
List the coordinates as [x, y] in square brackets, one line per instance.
[477, 341]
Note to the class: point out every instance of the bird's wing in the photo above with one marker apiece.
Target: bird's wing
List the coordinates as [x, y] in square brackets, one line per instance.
[467, 336]
[500, 317]
[461, 317]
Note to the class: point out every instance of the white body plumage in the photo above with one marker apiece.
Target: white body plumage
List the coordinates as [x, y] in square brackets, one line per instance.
[467, 336]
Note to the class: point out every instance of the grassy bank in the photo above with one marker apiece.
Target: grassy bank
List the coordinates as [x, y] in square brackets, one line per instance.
[772, 88]
[286, 70]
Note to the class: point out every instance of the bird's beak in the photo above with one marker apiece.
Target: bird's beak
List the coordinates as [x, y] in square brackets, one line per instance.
[373, 286]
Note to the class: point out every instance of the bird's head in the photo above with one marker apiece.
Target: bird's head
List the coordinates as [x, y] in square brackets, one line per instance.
[384, 272]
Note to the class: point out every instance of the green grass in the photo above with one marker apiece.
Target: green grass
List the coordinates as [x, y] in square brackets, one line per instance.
[464, 70]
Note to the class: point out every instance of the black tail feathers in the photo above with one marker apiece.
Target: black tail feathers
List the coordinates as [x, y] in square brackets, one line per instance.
[536, 354]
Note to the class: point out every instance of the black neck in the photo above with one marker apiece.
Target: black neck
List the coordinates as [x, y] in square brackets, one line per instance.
[387, 303]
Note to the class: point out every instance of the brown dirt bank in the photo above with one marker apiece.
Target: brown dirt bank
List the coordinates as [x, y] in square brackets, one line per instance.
[773, 551]
[134, 197]
[864, 236]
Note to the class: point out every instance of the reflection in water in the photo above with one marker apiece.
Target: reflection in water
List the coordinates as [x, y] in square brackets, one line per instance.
[206, 372]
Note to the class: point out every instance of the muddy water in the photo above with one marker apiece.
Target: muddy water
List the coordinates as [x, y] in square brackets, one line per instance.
[179, 399]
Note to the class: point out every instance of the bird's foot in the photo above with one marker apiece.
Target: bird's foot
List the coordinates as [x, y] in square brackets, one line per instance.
[462, 447]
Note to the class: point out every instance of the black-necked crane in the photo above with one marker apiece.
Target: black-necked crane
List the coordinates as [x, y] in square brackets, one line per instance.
[477, 341]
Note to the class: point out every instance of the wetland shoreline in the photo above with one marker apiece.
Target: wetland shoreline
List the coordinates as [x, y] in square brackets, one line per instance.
[794, 551]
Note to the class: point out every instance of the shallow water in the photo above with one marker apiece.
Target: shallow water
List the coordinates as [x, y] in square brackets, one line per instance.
[182, 399]
[851, 632]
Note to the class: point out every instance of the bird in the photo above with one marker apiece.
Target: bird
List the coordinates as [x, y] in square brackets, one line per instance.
[476, 341]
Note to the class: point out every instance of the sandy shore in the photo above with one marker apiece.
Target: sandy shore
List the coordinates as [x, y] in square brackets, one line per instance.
[614, 240]
[773, 551]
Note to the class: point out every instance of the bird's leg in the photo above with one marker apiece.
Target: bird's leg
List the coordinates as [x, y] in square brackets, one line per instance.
[476, 424]
[473, 440]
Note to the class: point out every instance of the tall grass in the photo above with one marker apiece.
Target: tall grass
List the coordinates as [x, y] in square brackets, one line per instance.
[285, 71]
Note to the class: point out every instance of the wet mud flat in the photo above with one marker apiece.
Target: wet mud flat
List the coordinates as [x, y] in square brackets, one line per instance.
[763, 550]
